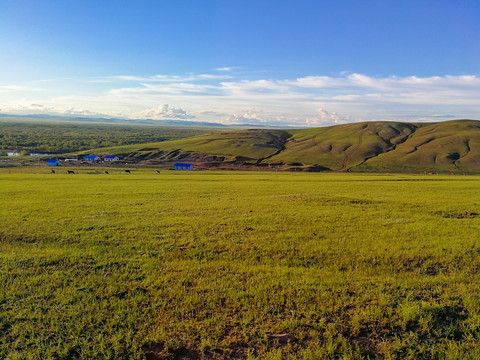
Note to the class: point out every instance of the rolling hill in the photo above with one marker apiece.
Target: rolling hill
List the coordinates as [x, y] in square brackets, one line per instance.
[445, 146]
[450, 146]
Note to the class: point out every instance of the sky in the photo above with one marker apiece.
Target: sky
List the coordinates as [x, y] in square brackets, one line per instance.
[277, 62]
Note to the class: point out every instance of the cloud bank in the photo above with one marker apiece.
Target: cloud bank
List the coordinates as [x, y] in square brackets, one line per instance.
[163, 112]
[224, 96]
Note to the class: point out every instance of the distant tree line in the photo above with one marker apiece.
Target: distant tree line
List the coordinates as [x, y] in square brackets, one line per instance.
[58, 138]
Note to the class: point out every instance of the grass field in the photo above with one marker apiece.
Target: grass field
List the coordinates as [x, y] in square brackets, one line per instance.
[241, 265]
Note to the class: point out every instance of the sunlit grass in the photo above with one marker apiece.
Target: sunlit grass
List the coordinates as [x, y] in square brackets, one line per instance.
[218, 265]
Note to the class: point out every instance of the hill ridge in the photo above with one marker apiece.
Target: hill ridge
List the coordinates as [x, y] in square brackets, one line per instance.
[394, 146]
[384, 146]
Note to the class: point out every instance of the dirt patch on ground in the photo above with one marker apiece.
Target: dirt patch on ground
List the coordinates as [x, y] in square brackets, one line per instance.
[148, 149]
[457, 214]
[158, 352]
[281, 338]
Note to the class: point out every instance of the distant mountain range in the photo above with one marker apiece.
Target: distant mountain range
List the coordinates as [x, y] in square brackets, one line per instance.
[450, 146]
[112, 120]
[117, 120]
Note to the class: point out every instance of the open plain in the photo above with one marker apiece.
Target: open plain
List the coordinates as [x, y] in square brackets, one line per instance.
[238, 265]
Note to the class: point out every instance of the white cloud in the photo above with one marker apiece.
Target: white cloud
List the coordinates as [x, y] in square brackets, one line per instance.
[80, 112]
[323, 117]
[164, 112]
[35, 108]
[314, 82]
[355, 82]
[209, 97]
[11, 88]
[210, 113]
[171, 88]
[255, 86]
[248, 116]
[168, 78]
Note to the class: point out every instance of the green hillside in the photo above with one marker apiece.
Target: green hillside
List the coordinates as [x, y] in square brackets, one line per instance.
[343, 146]
[451, 146]
[242, 145]
[446, 146]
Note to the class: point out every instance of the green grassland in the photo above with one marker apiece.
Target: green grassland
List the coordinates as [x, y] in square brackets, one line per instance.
[450, 146]
[27, 135]
[245, 265]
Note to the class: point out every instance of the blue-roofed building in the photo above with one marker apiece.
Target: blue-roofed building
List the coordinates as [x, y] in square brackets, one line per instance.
[53, 162]
[111, 158]
[91, 158]
[181, 166]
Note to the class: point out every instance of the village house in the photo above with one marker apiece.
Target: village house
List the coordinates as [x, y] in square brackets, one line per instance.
[181, 166]
[111, 158]
[53, 162]
[91, 158]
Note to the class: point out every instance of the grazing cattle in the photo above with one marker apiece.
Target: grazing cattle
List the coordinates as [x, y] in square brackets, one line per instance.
[157, 171]
[52, 172]
[70, 172]
[128, 171]
[106, 172]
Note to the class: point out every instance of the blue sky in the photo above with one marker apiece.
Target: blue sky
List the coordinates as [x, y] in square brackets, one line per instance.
[308, 63]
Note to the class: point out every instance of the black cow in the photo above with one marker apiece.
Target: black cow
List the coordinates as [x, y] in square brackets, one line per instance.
[157, 171]
[52, 172]
[128, 171]
[70, 172]
[106, 172]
